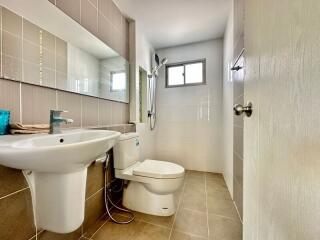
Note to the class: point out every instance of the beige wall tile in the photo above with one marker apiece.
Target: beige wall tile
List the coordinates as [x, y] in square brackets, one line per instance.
[48, 40]
[94, 2]
[16, 220]
[31, 32]
[48, 59]
[31, 73]
[61, 81]
[105, 112]
[31, 52]
[72, 103]
[89, 16]
[61, 47]
[104, 29]
[95, 178]
[48, 78]
[117, 113]
[10, 98]
[116, 16]
[36, 104]
[90, 114]
[11, 45]
[94, 209]
[11, 180]
[70, 7]
[11, 68]
[11, 22]
[61, 64]
[104, 7]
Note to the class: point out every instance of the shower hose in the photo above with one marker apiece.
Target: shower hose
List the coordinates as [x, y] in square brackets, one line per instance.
[107, 199]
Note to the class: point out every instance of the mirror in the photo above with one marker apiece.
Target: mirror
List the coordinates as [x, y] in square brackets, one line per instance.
[59, 53]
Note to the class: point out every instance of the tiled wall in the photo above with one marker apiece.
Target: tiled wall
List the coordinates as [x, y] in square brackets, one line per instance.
[102, 18]
[188, 129]
[31, 54]
[30, 104]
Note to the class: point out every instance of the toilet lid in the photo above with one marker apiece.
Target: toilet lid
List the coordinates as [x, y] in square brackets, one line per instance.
[158, 169]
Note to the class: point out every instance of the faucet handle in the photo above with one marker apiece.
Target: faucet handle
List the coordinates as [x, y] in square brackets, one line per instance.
[58, 111]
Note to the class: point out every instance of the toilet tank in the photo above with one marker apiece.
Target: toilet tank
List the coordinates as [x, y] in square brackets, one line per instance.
[127, 151]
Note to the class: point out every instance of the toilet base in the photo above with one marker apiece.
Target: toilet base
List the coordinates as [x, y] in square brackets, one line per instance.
[138, 198]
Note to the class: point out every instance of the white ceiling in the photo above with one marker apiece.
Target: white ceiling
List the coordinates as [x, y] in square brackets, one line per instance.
[174, 22]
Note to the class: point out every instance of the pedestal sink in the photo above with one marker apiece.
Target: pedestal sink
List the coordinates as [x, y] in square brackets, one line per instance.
[55, 167]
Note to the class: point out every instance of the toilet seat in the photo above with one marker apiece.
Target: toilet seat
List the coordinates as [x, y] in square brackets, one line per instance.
[158, 169]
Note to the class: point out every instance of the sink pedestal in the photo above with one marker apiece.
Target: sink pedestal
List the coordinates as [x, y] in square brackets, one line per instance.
[58, 199]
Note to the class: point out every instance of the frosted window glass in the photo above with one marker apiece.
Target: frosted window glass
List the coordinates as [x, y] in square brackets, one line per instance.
[194, 73]
[175, 75]
[118, 81]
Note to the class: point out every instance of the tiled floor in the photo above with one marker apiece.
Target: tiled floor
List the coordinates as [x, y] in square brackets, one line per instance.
[205, 211]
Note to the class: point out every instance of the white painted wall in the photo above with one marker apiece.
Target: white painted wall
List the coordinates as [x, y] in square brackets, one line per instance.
[189, 127]
[228, 104]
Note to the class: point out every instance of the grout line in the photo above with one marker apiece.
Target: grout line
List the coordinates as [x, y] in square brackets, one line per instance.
[178, 208]
[207, 212]
[94, 193]
[13, 193]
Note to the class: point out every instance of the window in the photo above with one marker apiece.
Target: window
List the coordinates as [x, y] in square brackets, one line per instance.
[118, 81]
[186, 73]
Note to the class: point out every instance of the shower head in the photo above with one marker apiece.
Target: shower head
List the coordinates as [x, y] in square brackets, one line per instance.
[164, 61]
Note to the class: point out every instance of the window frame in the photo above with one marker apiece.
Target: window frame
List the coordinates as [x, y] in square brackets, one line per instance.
[183, 64]
[111, 80]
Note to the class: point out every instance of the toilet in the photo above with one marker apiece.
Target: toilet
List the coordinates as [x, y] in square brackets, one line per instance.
[152, 184]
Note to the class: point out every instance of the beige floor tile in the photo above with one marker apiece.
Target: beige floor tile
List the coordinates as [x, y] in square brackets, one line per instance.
[194, 201]
[216, 185]
[147, 231]
[191, 173]
[210, 175]
[193, 222]
[224, 229]
[113, 231]
[156, 220]
[222, 207]
[194, 177]
[194, 188]
[183, 236]
[222, 194]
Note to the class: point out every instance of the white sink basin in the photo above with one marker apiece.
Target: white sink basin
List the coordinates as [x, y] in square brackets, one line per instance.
[55, 167]
[59, 153]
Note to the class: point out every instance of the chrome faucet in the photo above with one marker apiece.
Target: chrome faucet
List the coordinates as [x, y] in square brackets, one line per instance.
[56, 120]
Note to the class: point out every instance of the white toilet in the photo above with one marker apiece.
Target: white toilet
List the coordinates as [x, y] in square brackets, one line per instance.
[152, 184]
